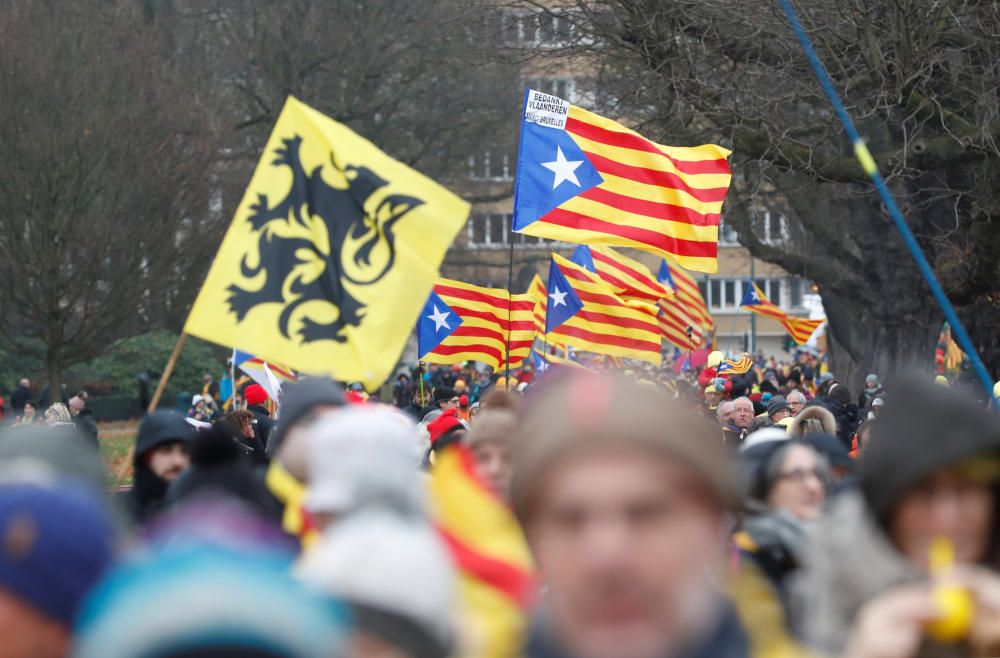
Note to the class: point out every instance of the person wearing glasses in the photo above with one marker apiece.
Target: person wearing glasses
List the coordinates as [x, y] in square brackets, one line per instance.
[785, 483]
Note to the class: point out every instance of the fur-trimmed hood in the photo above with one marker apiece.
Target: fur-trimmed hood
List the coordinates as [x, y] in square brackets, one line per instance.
[821, 414]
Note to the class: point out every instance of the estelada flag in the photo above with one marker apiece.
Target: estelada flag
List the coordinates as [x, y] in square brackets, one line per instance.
[331, 254]
[463, 322]
[585, 179]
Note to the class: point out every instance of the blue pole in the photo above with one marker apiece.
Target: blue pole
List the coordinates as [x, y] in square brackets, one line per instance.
[867, 162]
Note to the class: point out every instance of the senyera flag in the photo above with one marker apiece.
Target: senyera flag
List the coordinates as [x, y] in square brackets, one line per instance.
[585, 179]
[463, 322]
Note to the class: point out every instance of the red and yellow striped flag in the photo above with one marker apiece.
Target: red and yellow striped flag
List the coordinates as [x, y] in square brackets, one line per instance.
[801, 329]
[628, 277]
[586, 179]
[606, 324]
[677, 327]
[485, 329]
[496, 573]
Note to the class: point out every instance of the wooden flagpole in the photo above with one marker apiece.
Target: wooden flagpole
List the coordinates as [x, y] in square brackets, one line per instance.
[167, 371]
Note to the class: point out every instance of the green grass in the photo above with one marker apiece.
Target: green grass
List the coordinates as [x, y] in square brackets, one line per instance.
[117, 440]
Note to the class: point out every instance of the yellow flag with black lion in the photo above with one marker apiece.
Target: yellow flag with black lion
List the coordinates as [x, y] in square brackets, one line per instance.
[331, 254]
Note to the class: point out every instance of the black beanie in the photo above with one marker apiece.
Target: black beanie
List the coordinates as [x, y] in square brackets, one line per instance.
[926, 428]
[443, 393]
[219, 465]
[298, 399]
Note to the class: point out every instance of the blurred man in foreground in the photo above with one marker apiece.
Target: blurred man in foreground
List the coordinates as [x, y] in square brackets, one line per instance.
[625, 563]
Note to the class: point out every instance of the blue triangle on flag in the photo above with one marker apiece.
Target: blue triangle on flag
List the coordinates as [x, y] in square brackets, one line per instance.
[584, 258]
[664, 276]
[437, 321]
[551, 169]
[750, 296]
[563, 302]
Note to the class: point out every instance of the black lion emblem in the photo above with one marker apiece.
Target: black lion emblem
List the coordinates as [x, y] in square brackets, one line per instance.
[343, 213]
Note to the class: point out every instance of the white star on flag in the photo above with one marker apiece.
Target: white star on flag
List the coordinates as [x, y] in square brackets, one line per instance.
[558, 297]
[439, 317]
[754, 296]
[564, 170]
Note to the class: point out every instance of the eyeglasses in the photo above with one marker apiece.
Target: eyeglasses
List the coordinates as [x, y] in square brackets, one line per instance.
[800, 475]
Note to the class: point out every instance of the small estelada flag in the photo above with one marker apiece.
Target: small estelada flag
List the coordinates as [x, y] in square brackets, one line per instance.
[585, 179]
[330, 256]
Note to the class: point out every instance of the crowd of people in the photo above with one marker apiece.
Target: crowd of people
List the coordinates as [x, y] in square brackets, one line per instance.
[686, 514]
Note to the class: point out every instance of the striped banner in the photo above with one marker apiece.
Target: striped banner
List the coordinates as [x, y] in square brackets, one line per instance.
[628, 277]
[496, 573]
[661, 199]
[485, 328]
[607, 324]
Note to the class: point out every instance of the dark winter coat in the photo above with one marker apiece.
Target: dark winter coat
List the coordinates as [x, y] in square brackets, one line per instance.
[18, 398]
[84, 422]
[868, 395]
[847, 416]
[262, 423]
[726, 639]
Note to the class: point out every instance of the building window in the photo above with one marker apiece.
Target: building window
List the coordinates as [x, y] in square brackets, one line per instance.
[795, 286]
[727, 234]
[491, 165]
[771, 228]
[555, 30]
[492, 230]
[725, 294]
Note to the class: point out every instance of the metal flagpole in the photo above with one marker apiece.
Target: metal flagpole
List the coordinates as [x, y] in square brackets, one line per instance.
[510, 288]
[869, 166]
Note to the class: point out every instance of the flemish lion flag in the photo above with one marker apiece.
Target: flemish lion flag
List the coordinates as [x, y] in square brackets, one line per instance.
[331, 254]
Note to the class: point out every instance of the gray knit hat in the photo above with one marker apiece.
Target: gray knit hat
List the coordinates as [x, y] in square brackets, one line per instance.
[572, 411]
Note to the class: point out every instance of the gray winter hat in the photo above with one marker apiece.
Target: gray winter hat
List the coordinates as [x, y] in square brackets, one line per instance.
[298, 399]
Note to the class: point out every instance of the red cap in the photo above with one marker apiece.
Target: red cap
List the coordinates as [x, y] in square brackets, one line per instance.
[463, 400]
[353, 397]
[443, 424]
[255, 394]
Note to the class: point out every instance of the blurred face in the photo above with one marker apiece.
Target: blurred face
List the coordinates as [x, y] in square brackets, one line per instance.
[27, 634]
[742, 413]
[780, 414]
[712, 398]
[796, 403]
[626, 562]
[449, 404]
[800, 489]
[169, 460]
[294, 450]
[29, 410]
[493, 465]
[726, 413]
[947, 504]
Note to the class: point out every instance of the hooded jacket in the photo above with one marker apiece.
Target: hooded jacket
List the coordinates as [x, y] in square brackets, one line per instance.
[149, 490]
[823, 415]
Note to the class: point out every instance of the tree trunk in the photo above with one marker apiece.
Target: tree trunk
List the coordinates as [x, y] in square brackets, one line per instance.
[53, 368]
